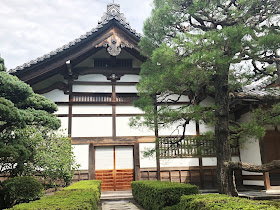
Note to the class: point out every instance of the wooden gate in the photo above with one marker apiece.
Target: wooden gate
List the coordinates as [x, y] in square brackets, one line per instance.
[114, 167]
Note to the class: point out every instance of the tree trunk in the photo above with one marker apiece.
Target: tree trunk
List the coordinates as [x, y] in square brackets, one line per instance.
[224, 174]
[275, 164]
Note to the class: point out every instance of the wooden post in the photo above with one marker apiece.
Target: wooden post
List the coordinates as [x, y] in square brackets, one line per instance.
[114, 97]
[91, 162]
[137, 175]
[266, 178]
[157, 141]
[70, 84]
[200, 160]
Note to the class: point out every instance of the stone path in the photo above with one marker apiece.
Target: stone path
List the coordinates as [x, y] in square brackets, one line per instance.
[118, 200]
[118, 205]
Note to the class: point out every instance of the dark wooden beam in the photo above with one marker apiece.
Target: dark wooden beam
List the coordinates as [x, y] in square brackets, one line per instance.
[136, 154]
[91, 167]
[119, 140]
[70, 109]
[106, 71]
[99, 115]
[105, 83]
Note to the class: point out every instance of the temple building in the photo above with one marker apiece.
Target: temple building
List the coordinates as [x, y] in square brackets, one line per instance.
[93, 81]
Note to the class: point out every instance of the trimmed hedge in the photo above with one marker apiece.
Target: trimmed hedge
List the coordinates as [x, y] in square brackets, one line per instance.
[218, 202]
[21, 189]
[156, 194]
[81, 195]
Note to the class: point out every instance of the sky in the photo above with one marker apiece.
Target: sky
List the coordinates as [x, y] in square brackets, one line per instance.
[32, 28]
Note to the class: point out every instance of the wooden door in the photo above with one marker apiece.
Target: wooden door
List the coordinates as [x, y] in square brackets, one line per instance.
[272, 148]
[114, 167]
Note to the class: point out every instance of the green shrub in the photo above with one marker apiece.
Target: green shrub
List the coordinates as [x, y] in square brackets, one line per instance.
[219, 202]
[156, 194]
[81, 195]
[21, 189]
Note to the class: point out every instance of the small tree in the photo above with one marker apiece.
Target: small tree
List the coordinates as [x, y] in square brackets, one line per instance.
[27, 140]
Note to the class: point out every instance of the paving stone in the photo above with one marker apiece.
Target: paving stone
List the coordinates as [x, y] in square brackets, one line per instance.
[119, 205]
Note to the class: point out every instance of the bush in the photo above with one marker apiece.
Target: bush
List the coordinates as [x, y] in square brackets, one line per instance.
[217, 201]
[21, 189]
[157, 194]
[81, 195]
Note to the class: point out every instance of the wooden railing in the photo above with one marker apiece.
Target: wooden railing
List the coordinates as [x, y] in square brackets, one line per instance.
[173, 147]
[104, 97]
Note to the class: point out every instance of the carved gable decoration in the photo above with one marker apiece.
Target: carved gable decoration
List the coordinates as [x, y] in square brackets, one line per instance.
[115, 43]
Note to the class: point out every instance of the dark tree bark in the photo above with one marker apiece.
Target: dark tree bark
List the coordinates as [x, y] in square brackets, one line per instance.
[275, 164]
[222, 136]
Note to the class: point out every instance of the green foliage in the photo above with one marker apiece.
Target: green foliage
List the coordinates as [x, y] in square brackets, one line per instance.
[20, 190]
[216, 201]
[189, 44]
[55, 158]
[81, 195]
[2, 65]
[268, 116]
[157, 194]
[28, 143]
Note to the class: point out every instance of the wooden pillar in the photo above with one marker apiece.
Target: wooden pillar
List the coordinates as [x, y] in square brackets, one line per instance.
[91, 162]
[200, 160]
[114, 96]
[137, 174]
[266, 178]
[70, 84]
[157, 141]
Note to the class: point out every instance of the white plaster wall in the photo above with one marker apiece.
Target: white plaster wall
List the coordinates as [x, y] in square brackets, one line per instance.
[212, 161]
[250, 153]
[57, 96]
[174, 97]
[93, 88]
[62, 109]
[81, 155]
[91, 126]
[208, 101]
[147, 162]
[64, 125]
[251, 182]
[171, 130]
[90, 109]
[179, 162]
[203, 128]
[123, 128]
[128, 110]
[209, 161]
[92, 78]
[129, 78]
[126, 89]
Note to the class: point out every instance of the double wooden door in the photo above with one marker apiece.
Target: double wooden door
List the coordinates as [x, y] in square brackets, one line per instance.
[114, 167]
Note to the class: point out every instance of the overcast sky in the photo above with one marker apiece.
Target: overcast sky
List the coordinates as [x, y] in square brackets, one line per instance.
[32, 28]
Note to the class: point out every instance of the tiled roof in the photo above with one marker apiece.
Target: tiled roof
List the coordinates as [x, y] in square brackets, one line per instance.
[259, 88]
[113, 12]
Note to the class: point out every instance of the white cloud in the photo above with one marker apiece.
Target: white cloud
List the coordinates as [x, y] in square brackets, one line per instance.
[31, 28]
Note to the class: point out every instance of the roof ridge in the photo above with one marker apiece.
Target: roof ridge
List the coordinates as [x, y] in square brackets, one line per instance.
[113, 12]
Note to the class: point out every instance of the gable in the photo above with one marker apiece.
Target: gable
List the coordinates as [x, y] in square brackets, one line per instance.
[113, 33]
